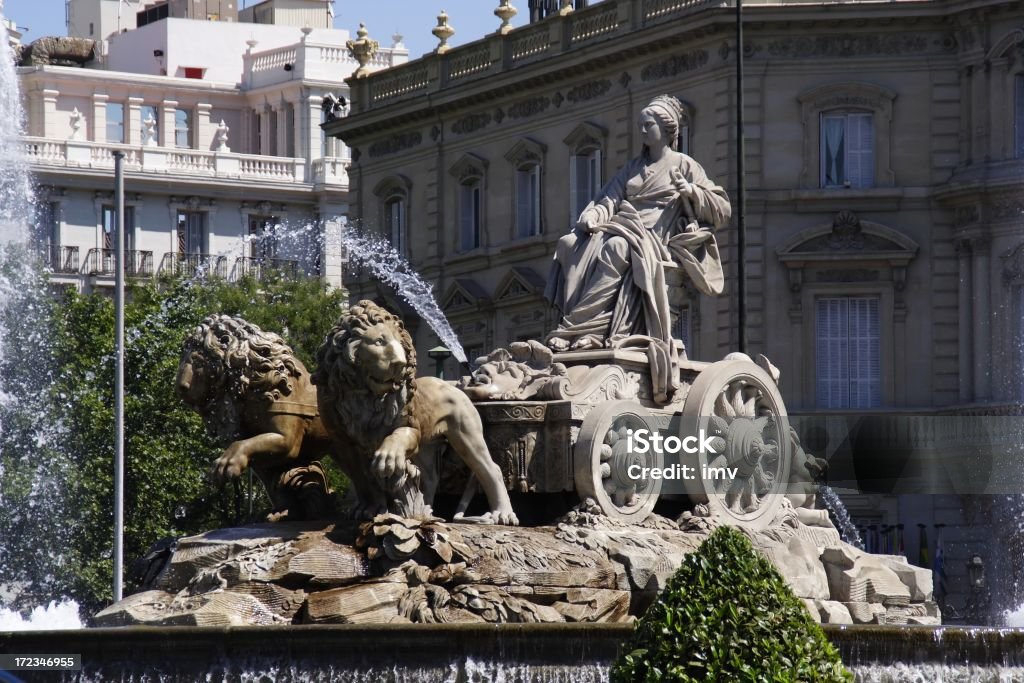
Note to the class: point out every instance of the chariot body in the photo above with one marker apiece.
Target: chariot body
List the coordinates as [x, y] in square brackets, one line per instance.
[578, 438]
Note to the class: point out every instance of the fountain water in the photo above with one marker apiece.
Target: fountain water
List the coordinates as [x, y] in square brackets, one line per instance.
[840, 516]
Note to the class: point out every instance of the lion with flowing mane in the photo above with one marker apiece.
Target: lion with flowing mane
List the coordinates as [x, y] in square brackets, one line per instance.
[253, 392]
[371, 400]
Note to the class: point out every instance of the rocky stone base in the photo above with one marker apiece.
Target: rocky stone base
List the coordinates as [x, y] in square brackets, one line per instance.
[583, 569]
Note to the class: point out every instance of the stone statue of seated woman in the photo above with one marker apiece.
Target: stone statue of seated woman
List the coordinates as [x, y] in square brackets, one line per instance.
[660, 211]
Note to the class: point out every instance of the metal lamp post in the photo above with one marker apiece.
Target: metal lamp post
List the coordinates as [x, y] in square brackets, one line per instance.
[440, 354]
[119, 375]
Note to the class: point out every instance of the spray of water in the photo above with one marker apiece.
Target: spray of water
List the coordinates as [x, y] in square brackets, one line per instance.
[840, 516]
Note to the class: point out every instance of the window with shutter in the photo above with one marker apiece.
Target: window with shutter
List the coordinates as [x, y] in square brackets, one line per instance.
[191, 235]
[847, 352]
[394, 217]
[469, 215]
[528, 201]
[1019, 115]
[584, 181]
[847, 150]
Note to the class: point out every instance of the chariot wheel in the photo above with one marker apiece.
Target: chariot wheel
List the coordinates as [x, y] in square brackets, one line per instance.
[740, 409]
[601, 461]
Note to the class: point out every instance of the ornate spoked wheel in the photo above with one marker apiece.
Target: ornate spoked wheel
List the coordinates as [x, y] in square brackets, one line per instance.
[738, 405]
[602, 460]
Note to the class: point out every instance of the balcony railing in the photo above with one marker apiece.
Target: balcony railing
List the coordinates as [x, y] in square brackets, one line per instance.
[60, 259]
[261, 268]
[136, 263]
[309, 60]
[189, 265]
[73, 154]
[609, 20]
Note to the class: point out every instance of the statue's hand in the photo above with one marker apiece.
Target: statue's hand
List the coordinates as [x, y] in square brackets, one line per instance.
[390, 457]
[684, 186]
[587, 223]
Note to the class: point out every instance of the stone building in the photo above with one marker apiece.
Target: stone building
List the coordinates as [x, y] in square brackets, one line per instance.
[219, 122]
[884, 170]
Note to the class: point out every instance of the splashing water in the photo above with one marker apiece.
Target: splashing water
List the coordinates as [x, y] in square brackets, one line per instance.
[841, 516]
[390, 267]
[16, 192]
[55, 616]
[367, 251]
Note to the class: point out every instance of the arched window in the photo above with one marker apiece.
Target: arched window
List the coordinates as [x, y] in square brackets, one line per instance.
[393, 194]
[846, 136]
[394, 221]
[527, 158]
[470, 172]
[586, 175]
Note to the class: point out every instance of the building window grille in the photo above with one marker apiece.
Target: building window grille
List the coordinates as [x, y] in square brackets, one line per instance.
[847, 352]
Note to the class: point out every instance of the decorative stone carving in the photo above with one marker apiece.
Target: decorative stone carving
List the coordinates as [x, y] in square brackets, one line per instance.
[362, 50]
[588, 91]
[520, 372]
[675, 65]
[222, 137]
[77, 122]
[529, 107]
[848, 45]
[505, 11]
[443, 31]
[149, 131]
[396, 144]
[471, 123]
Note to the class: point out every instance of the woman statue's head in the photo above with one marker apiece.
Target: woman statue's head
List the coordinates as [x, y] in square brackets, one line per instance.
[667, 111]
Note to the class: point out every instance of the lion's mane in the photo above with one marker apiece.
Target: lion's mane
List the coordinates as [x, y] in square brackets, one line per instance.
[345, 400]
[241, 363]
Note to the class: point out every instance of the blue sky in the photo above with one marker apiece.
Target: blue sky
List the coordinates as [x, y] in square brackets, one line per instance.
[472, 19]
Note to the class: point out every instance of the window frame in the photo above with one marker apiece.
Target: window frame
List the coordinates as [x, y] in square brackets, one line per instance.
[530, 172]
[187, 130]
[115, 107]
[594, 157]
[848, 389]
[847, 117]
[396, 200]
[181, 246]
[839, 98]
[473, 187]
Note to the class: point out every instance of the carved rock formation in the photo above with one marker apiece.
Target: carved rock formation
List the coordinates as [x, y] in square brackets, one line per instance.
[586, 568]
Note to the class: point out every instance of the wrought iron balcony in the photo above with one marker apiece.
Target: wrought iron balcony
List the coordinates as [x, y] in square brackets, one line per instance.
[189, 265]
[59, 258]
[261, 268]
[101, 262]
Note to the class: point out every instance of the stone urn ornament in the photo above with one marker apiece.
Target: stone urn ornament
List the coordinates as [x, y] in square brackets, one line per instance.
[362, 49]
[443, 31]
[149, 131]
[505, 11]
[222, 137]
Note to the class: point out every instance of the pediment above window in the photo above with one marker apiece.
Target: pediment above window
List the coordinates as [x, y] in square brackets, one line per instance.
[519, 282]
[847, 250]
[468, 167]
[526, 151]
[395, 184]
[587, 136]
[464, 294]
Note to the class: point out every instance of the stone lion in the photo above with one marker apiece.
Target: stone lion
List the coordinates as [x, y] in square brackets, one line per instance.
[253, 392]
[371, 401]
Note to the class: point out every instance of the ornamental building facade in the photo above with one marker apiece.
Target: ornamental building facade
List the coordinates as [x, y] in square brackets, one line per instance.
[884, 158]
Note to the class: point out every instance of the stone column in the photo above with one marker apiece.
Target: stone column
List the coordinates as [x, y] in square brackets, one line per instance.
[167, 109]
[266, 130]
[203, 137]
[49, 118]
[99, 117]
[281, 114]
[133, 121]
[311, 125]
[982, 332]
[296, 132]
[965, 331]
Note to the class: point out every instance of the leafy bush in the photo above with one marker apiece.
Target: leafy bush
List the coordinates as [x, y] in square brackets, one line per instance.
[728, 615]
[57, 424]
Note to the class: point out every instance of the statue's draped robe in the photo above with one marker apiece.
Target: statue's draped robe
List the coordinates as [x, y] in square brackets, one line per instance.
[614, 291]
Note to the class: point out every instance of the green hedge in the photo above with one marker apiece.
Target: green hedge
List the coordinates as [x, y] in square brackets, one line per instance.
[728, 615]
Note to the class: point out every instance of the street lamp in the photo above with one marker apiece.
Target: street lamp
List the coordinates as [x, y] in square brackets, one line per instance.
[440, 354]
[976, 572]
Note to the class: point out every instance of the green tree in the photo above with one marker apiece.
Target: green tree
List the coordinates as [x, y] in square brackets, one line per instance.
[728, 615]
[168, 453]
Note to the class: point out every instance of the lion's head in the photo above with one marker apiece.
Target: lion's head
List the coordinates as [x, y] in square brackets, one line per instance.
[366, 367]
[227, 361]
